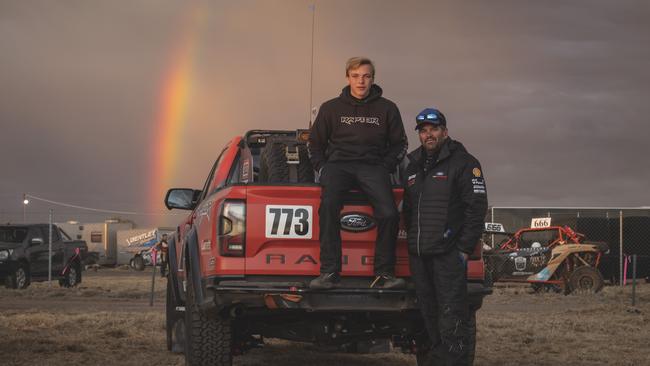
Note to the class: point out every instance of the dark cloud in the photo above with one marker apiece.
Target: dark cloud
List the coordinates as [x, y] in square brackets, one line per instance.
[551, 98]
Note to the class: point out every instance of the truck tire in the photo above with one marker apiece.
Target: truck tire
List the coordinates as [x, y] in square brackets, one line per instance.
[19, 279]
[138, 263]
[274, 167]
[174, 321]
[208, 339]
[585, 279]
[489, 278]
[71, 278]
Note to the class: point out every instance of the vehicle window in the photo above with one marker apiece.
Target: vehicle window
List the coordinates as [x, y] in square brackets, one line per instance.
[544, 237]
[35, 233]
[46, 234]
[204, 191]
[215, 167]
[12, 234]
[56, 234]
[64, 235]
[235, 172]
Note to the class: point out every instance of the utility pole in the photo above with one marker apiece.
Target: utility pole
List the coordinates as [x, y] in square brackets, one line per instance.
[49, 254]
[25, 202]
[312, 110]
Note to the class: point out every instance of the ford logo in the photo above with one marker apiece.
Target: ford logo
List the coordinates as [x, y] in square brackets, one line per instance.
[357, 222]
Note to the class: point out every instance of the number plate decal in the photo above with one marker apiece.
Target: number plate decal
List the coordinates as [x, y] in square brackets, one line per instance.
[540, 222]
[284, 221]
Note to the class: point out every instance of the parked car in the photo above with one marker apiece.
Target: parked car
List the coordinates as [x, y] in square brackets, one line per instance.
[24, 255]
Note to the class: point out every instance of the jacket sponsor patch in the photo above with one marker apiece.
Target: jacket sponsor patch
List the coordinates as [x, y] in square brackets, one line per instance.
[476, 172]
[439, 175]
[478, 184]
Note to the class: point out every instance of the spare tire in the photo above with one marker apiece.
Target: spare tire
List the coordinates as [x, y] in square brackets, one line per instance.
[275, 169]
[585, 279]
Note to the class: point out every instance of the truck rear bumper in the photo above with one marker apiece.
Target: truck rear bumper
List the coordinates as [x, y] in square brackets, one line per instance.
[293, 295]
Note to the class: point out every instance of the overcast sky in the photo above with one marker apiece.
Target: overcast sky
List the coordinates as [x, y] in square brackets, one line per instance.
[552, 97]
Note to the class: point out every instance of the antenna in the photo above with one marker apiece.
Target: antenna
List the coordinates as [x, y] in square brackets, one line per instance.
[312, 109]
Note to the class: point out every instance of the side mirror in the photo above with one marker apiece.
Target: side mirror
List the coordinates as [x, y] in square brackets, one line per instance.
[36, 241]
[181, 198]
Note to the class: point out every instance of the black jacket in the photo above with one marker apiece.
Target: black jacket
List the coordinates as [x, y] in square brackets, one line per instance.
[348, 129]
[445, 203]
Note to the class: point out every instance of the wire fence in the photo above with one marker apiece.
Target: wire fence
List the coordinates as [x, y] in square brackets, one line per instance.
[625, 231]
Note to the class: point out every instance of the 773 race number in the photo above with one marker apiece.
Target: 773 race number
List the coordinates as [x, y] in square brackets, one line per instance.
[288, 221]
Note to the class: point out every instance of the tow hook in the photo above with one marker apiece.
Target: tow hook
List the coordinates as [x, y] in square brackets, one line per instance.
[282, 301]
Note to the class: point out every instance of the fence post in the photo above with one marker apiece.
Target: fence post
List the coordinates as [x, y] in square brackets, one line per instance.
[620, 251]
[492, 219]
[49, 254]
[154, 256]
[633, 279]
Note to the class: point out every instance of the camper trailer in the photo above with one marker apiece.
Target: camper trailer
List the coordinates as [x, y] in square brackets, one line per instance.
[100, 237]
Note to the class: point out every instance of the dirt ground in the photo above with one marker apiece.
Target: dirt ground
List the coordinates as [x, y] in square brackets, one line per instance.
[108, 321]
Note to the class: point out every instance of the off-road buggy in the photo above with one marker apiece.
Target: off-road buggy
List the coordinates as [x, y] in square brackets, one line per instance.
[551, 258]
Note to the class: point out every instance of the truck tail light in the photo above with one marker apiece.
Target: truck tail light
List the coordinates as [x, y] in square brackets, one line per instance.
[478, 251]
[232, 229]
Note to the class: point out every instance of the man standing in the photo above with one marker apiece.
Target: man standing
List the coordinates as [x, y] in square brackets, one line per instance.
[445, 202]
[356, 141]
[163, 247]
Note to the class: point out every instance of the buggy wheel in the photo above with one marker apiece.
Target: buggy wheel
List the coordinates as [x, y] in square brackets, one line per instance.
[587, 279]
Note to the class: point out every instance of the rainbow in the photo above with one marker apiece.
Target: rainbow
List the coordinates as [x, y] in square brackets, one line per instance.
[174, 102]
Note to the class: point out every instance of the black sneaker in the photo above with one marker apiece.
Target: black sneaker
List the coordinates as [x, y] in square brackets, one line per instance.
[388, 281]
[325, 281]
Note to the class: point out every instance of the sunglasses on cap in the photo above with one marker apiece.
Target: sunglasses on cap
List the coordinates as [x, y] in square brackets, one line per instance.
[430, 117]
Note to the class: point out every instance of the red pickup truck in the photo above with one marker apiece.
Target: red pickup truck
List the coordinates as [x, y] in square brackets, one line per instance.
[242, 260]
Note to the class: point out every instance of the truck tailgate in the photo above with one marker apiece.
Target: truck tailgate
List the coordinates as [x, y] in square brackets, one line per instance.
[282, 234]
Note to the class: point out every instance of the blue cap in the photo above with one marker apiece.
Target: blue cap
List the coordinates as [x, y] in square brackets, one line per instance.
[432, 116]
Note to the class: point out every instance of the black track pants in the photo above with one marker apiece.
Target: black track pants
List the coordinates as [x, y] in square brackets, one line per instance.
[441, 287]
[374, 180]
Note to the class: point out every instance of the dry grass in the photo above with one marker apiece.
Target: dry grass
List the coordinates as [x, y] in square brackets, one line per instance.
[105, 283]
[552, 329]
[515, 328]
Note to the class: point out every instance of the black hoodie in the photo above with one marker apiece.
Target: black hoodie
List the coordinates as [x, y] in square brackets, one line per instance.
[369, 130]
